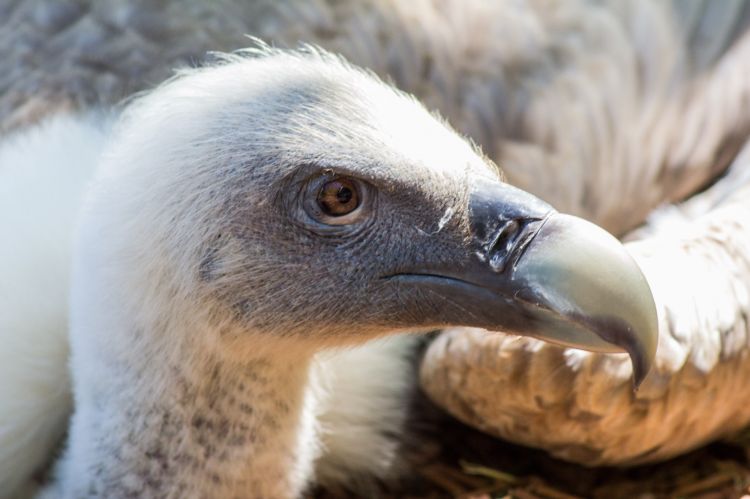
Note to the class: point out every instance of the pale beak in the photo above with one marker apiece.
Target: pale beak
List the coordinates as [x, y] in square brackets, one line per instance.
[536, 272]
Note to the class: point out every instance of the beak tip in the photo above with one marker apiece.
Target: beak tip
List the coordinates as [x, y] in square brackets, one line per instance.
[590, 278]
[641, 367]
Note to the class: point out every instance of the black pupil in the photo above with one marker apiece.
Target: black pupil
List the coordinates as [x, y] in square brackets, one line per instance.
[344, 195]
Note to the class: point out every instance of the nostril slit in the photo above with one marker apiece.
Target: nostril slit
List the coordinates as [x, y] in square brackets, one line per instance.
[500, 248]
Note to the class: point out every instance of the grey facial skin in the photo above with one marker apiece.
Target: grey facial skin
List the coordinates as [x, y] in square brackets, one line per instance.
[438, 240]
[540, 273]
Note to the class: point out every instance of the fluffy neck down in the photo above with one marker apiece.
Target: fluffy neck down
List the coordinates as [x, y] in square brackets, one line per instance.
[219, 428]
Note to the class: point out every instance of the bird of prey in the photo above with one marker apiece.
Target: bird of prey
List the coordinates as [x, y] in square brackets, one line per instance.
[606, 110]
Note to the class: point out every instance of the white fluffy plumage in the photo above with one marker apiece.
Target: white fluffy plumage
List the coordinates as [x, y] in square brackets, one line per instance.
[43, 173]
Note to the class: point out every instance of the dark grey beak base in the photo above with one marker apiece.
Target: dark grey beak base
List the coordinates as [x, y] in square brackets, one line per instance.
[535, 272]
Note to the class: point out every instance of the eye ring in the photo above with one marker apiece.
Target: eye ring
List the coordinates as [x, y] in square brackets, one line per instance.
[336, 199]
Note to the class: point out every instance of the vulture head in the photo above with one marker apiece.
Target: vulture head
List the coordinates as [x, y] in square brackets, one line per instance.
[252, 213]
[305, 199]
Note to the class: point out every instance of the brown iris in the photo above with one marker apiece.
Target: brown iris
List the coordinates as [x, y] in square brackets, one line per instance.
[338, 197]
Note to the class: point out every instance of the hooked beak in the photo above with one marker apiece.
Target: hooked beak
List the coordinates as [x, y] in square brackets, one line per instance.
[556, 277]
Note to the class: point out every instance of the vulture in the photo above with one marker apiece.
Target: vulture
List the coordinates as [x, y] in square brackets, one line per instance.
[634, 115]
[240, 222]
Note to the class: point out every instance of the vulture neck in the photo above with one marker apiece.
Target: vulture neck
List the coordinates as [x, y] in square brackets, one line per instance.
[191, 418]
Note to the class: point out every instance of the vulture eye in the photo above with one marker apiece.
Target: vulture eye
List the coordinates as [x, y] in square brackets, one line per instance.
[334, 200]
[338, 197]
